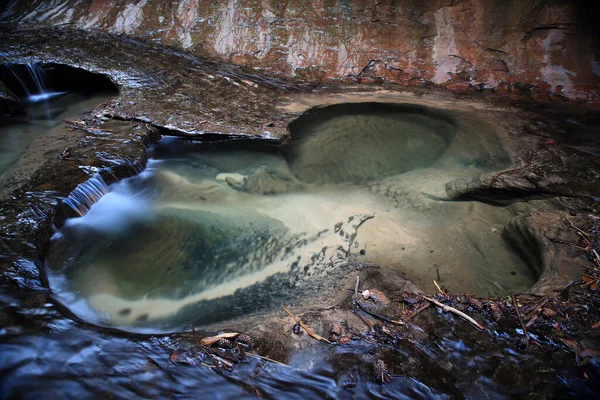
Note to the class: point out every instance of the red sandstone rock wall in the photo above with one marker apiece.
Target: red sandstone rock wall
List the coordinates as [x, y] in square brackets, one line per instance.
[541, 48]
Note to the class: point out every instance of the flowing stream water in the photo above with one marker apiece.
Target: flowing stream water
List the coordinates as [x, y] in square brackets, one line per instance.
[210, 232]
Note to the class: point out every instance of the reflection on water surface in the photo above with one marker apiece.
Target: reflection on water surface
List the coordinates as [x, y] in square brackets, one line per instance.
[211, 232]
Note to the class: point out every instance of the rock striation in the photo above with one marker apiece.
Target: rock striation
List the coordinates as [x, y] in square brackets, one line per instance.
[545, 49]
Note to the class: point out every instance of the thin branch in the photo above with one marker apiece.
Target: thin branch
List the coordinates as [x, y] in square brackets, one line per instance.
[455, 311]
[360, 315]
[514, 300]
[205, 350]
[582, 233]
[267, 359]
[391, 321]
[537, 306]
[306, 328]
[414, 313]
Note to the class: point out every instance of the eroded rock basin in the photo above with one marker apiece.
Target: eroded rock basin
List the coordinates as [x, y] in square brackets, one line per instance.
[212, 232]
[190, 190]
[259, 212]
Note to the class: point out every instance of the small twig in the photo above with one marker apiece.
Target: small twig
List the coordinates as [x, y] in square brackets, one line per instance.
[391, 321]
[359, 314]
[568, 288]
[306, 328]
[455, 311]
[597, 257]
[505, 171]
[559, 241]
[438, 287]
[267, 359]
[514, 300]
[205, 350]
[196, 336]
[582, 233]
[228, 365]
[537, 306]
[356, 289]
[418, 311]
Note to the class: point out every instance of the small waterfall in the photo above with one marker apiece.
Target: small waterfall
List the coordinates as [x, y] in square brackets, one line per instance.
[39, 77]
[86, 194]
[34, 83]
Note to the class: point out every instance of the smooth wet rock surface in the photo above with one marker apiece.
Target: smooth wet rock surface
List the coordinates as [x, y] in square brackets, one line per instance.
[186, 95]
[362, 142]
[9, 103]
[45, 192]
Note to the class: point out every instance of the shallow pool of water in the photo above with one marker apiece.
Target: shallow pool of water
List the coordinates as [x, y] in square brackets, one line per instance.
[42, 116]
[214, 231]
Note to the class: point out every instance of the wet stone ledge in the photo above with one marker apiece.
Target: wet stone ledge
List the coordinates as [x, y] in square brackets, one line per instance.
[9, 103]
[183, 94]
[84, 158]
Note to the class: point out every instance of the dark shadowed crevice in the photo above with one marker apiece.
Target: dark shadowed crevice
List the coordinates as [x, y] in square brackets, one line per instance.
[27, 79]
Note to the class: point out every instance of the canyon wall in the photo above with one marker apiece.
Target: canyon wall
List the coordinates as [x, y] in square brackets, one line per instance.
[544, 49]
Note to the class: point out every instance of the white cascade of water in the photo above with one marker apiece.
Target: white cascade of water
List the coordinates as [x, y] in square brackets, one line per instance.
[86, 194]
[39, 90]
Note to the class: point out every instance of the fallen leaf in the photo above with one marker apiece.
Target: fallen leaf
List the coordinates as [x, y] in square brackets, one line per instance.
[209, 341]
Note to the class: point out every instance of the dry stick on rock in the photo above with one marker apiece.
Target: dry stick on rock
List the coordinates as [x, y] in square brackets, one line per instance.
[505, 171]
[597, 257]
[364, 319]
[537, 307]
[556, 240]
[535, 312]
[205, 350]
[391, 321]
[228, 365]
[415, 313]
[581, 232]
[514, 300]
[306, 328]
[455, 311]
